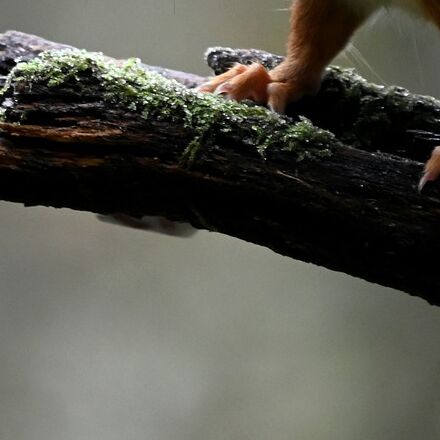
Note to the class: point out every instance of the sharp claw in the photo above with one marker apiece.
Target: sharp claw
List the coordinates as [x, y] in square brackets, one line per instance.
[428, 176]
[202, 89]
[432, 169]
[422, 183]
[223, 89]
[280, 109]
[278, 94]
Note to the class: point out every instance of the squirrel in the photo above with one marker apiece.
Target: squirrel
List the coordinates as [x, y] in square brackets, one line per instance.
[319, 30]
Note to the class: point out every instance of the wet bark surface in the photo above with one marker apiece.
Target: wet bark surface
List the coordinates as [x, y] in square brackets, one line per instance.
[357, 211]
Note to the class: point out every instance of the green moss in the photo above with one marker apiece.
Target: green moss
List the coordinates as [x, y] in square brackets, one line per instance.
[205, 116]
[371, 116]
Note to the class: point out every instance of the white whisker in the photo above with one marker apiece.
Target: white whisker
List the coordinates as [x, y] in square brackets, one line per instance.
[357, 57]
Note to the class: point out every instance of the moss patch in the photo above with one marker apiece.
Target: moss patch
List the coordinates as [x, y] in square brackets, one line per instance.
[149, 94]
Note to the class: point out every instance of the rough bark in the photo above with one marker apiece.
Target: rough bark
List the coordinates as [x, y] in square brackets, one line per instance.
[356, 211]
[361, 114]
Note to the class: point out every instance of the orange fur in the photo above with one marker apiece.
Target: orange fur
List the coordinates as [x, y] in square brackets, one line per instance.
[319, 30]
[432, 169]
[432, 10]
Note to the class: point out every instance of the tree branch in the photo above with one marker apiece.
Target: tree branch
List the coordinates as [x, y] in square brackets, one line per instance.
[78, 140]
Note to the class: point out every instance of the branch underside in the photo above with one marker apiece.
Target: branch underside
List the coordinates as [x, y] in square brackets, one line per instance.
[356, 211]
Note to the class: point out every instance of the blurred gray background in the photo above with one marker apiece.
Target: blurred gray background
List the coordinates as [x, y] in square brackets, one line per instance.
[108, 333]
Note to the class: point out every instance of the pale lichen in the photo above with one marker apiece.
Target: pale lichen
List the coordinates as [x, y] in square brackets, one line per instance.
[128, 85]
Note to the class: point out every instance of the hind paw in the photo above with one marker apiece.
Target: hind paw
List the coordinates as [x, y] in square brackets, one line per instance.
[432, 169]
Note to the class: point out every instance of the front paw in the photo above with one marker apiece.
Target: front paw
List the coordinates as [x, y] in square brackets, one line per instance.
[241, 82]
[255, 83]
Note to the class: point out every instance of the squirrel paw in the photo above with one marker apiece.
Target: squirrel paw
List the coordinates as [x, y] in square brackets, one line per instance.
[253, 82]
[432, 169]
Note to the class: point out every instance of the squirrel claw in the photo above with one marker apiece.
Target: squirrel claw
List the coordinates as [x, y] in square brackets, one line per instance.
[432, 169]
[255, 83]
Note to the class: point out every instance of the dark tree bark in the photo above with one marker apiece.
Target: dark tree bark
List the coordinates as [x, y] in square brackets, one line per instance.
[356, 211]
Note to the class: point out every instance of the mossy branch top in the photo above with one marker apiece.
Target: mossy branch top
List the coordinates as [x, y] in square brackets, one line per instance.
[89, 133]
[204, 116]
